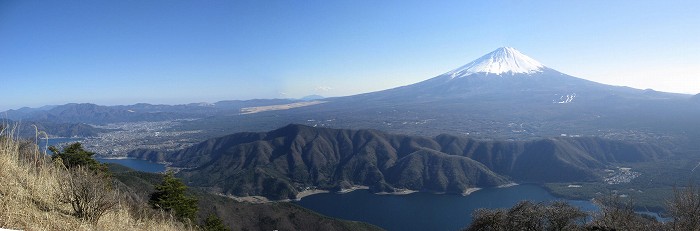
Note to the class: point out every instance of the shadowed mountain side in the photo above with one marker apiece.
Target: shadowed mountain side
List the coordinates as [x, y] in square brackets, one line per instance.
[281, 163]
[274, 216]
[236, 215]
[440, 172]
[550, 160]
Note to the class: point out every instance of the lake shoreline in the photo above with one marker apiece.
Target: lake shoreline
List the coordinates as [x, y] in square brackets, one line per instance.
[425, 210]
[470, 191]
[310, 192]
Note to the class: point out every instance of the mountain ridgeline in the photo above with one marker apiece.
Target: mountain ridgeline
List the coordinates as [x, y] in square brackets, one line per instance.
[27, 129]
[281, 163]
[97, 114]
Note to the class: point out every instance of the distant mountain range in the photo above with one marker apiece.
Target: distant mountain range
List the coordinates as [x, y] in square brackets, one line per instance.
[312, 97]
[97, 114]
[501, 95]
[26, 129]
[281, 163]
[75, 119]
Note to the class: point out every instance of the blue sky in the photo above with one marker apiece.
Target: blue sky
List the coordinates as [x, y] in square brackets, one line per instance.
[125, 52]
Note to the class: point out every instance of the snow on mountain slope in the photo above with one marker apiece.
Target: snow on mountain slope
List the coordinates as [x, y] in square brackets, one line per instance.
[504, 60]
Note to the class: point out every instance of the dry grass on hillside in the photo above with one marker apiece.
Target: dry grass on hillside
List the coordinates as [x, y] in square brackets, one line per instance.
[29, 196]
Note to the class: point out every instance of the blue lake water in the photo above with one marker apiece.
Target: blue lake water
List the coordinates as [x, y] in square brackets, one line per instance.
[424, 211]
[139, 165]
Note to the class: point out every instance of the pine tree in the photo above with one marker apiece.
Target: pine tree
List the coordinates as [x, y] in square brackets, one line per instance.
[74, 155]
[214, 223]
[170, 196]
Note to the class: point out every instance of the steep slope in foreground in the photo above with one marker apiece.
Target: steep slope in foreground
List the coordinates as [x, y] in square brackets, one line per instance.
[29, 195]
[240, 215]
[281, 163]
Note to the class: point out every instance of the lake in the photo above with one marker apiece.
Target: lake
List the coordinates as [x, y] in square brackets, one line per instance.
[136, 164]
[424, 211]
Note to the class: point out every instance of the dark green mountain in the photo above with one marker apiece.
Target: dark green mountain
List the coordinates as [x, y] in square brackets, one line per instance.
[281, 163]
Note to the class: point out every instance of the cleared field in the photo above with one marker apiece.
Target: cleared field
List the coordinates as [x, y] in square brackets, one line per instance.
[253, 110]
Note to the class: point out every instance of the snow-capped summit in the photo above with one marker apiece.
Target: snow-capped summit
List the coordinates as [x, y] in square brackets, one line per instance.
[504, 60]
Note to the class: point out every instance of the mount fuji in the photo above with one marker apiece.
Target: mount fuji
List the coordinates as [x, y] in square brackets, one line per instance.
[504, 60]
[505, 95]
[506, 76]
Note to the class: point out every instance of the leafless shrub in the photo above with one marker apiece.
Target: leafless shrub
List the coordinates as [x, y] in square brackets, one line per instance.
[487, 219]
[619, 214]
[529, 216]
[563, 216]
[89, 193]
[31, 195]
[684, 208]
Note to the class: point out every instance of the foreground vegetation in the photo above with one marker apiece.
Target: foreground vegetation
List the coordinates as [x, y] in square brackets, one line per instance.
[238, 215]
[72, 191]
[37, 193]
[616, 214]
